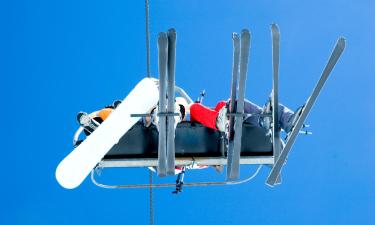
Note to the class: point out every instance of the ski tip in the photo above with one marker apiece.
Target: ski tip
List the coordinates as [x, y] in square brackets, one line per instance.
[162, 173]
[172, 33]
[172, 30]
[275, 30]
[271, 181]
[274, 26]
[235, 36]
[245, 37]
[162, 36]
[270, 185]
[341, 41]
[245, 32]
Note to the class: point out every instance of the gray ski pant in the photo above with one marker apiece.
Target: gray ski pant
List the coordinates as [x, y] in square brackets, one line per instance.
[251, 108]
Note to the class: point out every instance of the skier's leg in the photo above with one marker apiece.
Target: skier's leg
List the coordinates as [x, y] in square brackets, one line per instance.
[255, 110]
[222, 119]
[203, 115]
[285, 116]
[87, 122]
[288, 118]
[220, 105]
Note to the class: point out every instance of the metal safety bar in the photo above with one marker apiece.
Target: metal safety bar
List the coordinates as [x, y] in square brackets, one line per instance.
[209, 161]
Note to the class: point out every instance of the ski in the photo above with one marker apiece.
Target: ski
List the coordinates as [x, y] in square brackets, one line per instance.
[276, 141]
[338, 50]
[234, 169]
[163, 62]
[236, 58]
[235, 69]
[171, 102]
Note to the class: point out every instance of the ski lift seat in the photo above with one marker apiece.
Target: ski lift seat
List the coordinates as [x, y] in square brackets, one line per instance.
[191, 140]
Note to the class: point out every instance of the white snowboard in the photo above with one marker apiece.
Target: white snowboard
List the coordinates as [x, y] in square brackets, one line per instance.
[73, 170]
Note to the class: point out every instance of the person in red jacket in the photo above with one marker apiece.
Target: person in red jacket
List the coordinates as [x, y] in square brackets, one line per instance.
[217, 118]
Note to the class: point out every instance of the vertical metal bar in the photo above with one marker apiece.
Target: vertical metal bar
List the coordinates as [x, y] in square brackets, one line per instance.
[162, 58]
[171, 101]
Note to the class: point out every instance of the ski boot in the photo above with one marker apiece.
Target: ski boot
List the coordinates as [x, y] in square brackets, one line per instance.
[293, 120]
[265, 118]
[222, 121]
[87, 122]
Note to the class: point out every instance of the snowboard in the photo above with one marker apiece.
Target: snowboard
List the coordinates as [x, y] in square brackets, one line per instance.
[75, 167]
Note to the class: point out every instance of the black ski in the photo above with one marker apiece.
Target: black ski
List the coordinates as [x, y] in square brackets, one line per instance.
[233, 96]
[276, 140]
[163, 61]
[171, 102]
[339, 48]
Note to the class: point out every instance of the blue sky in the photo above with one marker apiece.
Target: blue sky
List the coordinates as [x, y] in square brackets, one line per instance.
[60, 57]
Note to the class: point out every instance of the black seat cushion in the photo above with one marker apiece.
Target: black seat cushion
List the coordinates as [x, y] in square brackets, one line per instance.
[191, 140]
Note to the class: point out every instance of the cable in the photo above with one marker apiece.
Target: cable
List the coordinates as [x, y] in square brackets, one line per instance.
[151, 201]
[149, 75]
[147, 38]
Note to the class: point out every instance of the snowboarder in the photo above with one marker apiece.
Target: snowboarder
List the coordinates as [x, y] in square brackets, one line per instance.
[91, 121]
[217, 118]
[181, 107]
